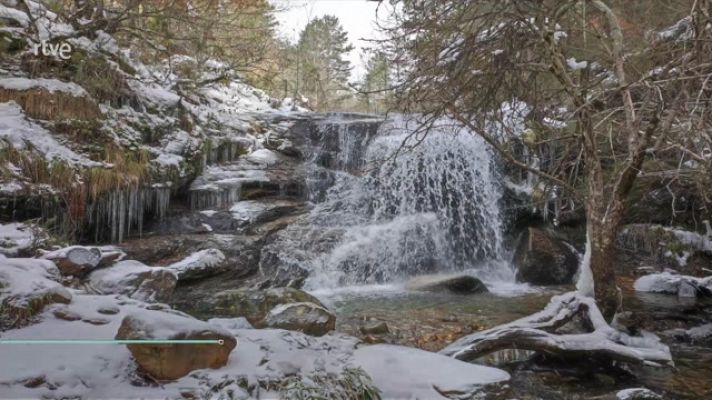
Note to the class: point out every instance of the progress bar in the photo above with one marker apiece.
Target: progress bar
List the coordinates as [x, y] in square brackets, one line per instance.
[111, 341]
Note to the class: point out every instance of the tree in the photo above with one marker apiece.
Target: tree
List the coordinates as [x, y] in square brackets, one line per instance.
[323, 73]
[625, 102]
[375, 83]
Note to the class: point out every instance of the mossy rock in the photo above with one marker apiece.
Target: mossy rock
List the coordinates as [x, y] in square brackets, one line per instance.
[20, 310]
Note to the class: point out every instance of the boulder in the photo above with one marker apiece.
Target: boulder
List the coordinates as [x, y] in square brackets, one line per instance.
[460, 284]
[75, 260]
[173, 361]
[201, 264]
[306, 317]
[27, 286]
[254, 305]
[136, 280]
[374, 328]
[670, 283]
[543, 260]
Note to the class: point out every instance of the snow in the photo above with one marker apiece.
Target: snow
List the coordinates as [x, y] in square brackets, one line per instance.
[15, 237]
[168, 324]
[124, 277]
[50, 85]
[584, 285]
[576, 65]
[636, 393]
[15, 15]
[669, 283]
[155, 93]
[198, 263]
[407, 373]
[21, 133]
[231, 324]
[264, 157]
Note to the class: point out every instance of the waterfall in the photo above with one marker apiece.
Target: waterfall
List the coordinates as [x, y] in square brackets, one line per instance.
[417, 203]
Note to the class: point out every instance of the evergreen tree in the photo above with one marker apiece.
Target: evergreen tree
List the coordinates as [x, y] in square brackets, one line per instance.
[322, 71]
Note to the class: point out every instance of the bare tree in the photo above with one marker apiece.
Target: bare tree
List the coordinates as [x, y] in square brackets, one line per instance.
[603, 102]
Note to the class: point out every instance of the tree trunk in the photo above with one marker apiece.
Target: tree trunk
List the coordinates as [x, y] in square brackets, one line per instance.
[602, 235]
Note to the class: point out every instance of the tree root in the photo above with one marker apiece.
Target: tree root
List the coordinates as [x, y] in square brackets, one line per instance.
[537, 332]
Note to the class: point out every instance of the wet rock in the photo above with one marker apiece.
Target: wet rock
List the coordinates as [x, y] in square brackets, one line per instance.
[254, 305]
[136, 280]
[543, 260]
[173, 361]
[374, 328]
[307, 318]
[96, 321]
[460, 284]
[76, 260]
[201, 264]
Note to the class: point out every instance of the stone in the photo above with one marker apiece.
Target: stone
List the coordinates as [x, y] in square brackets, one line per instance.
[305, 317]
[454, 283]
[199, 265]
[254, 305]
[543, 260]
[374, 328]
[66, 315]
[165, 362]
[136, 280]
[108, 310]
[75, 260]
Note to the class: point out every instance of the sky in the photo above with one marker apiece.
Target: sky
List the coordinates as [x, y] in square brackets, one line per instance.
[358, 17]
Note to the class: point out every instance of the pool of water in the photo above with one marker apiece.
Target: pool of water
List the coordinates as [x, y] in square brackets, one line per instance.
[431, 321]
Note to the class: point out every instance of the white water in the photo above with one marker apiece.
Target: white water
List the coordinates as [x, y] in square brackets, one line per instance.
[431, 208]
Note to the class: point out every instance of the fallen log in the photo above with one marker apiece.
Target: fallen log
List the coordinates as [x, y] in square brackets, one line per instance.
[537, 332]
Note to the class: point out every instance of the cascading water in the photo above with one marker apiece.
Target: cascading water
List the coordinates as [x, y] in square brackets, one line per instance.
[411, 209]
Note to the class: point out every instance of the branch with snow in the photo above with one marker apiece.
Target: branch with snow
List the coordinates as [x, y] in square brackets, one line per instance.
[537, 333]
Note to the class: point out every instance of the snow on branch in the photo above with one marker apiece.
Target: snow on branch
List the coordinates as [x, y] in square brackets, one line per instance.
[537, 333]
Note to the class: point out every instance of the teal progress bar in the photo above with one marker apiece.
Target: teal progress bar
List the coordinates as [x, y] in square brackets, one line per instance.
[111, 341]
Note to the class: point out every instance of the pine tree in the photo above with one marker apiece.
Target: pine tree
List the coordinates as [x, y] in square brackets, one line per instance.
[322, 70]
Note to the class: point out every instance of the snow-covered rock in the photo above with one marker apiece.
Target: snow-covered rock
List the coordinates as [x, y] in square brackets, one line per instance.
[136, 280]
[201, 264]
[170, 362]
[75, 260]
[406, 373]
[27, 286]
[304, 317]
[16, 238]
[637, 394]
[669, 283]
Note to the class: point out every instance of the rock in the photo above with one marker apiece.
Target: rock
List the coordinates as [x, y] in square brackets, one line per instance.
[670, 283]
[173, 361]
[66, 315]
[19, 239]
[254, 305]
[637, 394]
[76, 260]
[308, 318]
[460, 284]
[201, 264]
[543, 260]
[27, 286]
[136, 280]
[374, 328]
[699, 335]
[108, 310]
